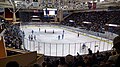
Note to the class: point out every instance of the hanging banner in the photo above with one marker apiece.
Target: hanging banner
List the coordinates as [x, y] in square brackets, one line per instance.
[35, 4]
[94, 5]
[89, 5]
[1, 9]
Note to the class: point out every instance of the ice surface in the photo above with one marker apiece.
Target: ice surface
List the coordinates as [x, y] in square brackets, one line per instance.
[49, 44]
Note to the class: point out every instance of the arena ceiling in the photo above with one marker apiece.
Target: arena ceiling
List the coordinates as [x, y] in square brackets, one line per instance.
[63, 4]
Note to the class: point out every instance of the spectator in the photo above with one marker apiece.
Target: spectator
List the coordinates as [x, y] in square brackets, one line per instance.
[62, 62]
[79, 61]
[89, 51]
[69, 60]
[13, 37]
[36, 65]
[116, 45]
[44, 64]
[12, 64]
[113, 57]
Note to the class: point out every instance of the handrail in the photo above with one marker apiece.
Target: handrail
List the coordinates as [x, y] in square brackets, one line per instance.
[67, 16]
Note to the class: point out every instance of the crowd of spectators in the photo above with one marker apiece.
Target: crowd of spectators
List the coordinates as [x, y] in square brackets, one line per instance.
[13, 37]
[98, 19]
[98, 59]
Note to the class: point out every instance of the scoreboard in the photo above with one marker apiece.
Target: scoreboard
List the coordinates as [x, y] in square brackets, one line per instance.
[50, 11]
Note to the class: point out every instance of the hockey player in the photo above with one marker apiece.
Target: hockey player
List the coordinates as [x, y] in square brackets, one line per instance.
[34, 37]
[53, 32]
[62, 36]
[39, 29]
[32, 31]
[63, 31]
[78, 34]
[59, 37]
[45, 30]
[83, 46]
[29, 37]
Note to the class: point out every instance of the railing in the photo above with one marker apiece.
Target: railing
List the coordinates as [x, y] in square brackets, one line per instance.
[63, 49]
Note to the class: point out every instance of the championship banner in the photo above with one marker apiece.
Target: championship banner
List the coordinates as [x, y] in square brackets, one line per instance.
[89, 5]
[35, 3]
[94, 5]
[1, 9]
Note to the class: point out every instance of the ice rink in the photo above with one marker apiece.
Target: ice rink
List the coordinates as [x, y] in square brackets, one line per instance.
[55, 42]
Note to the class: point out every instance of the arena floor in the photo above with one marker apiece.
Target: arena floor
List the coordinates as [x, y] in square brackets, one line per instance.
[54, 44]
